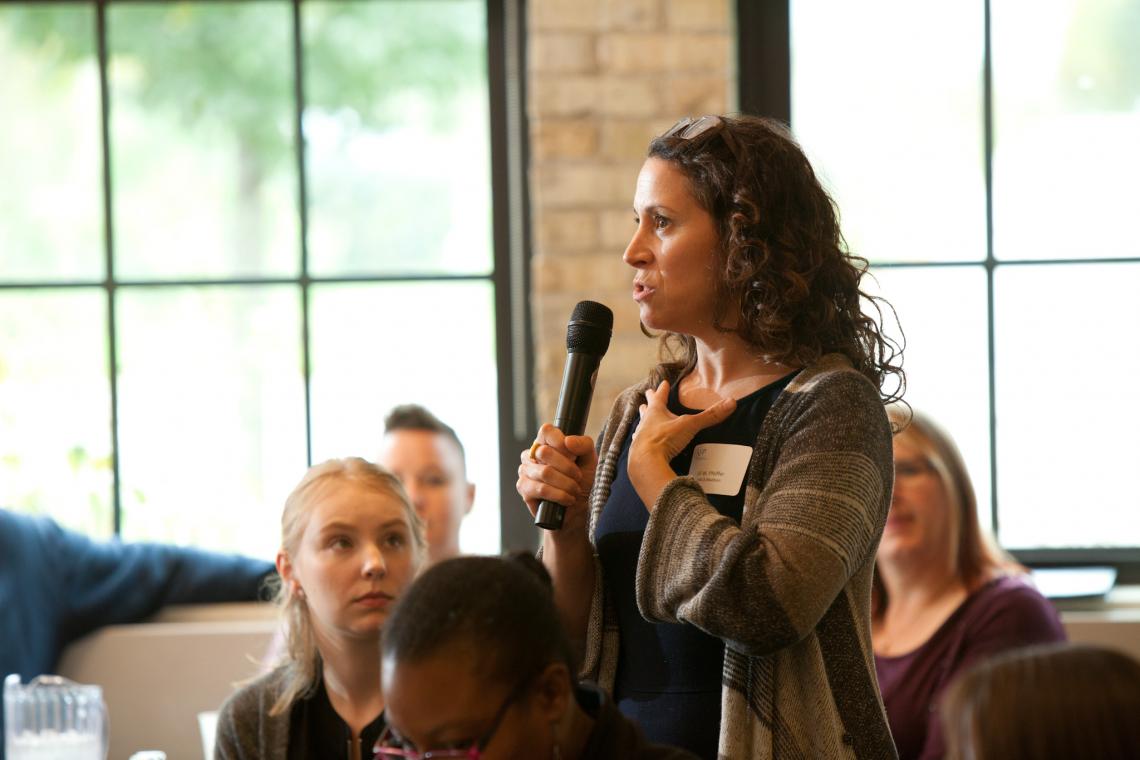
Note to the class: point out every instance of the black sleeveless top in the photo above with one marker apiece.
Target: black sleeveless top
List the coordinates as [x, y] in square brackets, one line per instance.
[669, 675]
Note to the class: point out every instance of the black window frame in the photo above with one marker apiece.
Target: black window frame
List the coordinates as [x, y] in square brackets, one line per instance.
[764, 66]
[510, 240]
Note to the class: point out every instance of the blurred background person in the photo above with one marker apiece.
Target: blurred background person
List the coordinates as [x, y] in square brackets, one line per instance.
[428, 458]
[57, 586]
[477, 664]
[1051, 702]
[350, 543]
[944, 596]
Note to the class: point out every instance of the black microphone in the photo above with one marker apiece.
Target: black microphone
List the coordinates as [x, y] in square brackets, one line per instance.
[587, 338]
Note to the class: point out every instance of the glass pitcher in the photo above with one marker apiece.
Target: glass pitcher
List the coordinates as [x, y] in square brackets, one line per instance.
[53, 718]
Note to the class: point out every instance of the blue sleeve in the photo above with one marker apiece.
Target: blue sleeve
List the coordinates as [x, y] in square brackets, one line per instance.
[106, 583]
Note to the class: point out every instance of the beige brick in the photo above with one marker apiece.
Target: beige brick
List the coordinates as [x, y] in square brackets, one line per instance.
[616, 227]
[624, 53]
[586, 274]
[605, 77]
[628, 361]
[543, 272]
[559, 185]
[696, 95]
[627, 139]
[559, 52]
[630, 96]
[697, 15]
[566, 230]
[632, 14]
[563, 138]
[563, 96]
[564, 15]
[621, 183]
[693, 53]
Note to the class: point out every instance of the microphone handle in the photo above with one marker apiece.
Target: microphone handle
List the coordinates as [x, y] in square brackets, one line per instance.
[574, 398]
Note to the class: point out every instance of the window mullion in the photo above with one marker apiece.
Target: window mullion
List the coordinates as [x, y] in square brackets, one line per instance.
[303, 215]
[991, 261]
[109, 284]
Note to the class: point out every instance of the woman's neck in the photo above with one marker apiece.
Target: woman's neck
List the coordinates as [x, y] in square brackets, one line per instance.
[920, 597]
[351, 671]
[727, 367]
[576, 733]
[917, 586]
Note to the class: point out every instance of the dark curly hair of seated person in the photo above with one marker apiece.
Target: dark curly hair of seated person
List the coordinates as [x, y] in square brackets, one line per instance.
[501, 609]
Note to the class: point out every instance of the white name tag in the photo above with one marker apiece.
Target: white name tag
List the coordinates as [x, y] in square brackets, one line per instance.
[720, 467]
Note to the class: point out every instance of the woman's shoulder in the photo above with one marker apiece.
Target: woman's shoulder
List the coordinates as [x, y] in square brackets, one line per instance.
[257, 695]
[832, 373]
[1010, 605]
[832, 402]
[1011, 589]
[245, 727]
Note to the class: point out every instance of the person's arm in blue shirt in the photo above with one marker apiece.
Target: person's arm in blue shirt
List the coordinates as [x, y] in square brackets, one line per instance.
[109, 582]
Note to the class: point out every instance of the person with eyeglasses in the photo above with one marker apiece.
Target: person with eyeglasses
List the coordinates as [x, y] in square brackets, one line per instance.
[945, 596]
[351, 543]
[716, 556]
[476, 665]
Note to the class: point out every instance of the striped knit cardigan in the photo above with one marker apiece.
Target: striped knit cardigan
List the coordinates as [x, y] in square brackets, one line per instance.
[789, 588]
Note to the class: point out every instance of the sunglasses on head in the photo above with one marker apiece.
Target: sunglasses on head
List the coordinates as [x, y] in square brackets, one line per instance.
[690, 128]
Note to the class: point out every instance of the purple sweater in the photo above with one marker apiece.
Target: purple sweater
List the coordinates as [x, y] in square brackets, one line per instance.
[1006, 613]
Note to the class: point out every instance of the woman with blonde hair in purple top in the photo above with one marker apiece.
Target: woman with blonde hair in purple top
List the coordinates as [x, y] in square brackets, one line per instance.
[944, 595]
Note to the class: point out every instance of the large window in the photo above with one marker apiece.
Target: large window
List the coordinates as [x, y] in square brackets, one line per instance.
[232, 236]
[986, 159]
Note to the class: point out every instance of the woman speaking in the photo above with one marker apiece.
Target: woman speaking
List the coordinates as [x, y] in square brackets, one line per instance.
[716, 557]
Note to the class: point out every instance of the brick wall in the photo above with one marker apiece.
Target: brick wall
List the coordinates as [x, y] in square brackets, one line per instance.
[604, 77]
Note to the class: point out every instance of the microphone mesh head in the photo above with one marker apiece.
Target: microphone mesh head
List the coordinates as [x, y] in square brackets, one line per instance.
[588, 332]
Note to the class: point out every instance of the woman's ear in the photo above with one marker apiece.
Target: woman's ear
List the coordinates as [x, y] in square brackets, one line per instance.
[553, 691]
[288, 577]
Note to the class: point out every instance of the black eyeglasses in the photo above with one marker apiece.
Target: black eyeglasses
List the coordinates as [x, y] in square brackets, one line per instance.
[689, 128]
[389, 747]
[912, 468]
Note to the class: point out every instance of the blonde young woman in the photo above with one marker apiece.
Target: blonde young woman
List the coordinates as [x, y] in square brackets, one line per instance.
[350, 544]
[944, 597]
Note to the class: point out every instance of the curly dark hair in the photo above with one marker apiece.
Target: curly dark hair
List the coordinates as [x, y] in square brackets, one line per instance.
[788, 284]
[500, 608]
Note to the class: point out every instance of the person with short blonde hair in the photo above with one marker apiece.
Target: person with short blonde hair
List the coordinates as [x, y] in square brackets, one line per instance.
[350, 544]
